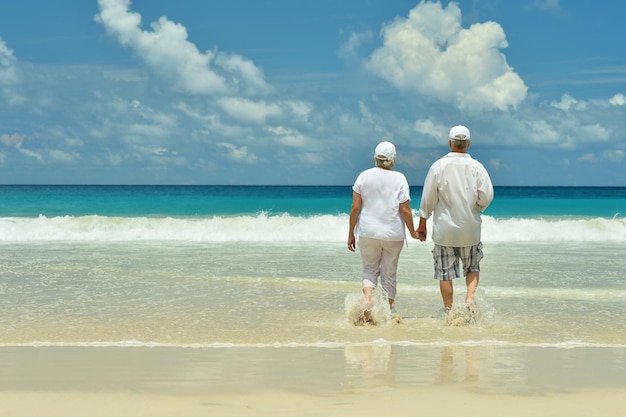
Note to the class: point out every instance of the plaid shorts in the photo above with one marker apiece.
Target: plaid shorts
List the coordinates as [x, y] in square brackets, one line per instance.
[447, 260]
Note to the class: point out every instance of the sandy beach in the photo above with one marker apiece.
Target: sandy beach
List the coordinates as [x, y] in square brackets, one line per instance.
[367, 380]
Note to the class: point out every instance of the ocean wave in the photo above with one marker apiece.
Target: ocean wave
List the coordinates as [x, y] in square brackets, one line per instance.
[285, 227]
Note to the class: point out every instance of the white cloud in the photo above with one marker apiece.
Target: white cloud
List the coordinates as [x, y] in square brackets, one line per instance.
[614, 155]
[32, 154]
[618, 100]
[12, 140]
[540, 131]
[8, 71]
[170, 54]
[290, 137]
[58, 155]
[258, 112]
[9, 78]
[238, 154]
[310, 158]
[374, 122]
[593, 133]
[587, 158]
[299, 109]
[431, 53]
[349, 48]
[495, 164]
[568, 103]
[249, 111]
[162, 152]
[431, 129]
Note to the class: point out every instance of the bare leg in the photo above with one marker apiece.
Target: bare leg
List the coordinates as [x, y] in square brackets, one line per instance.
[472, 282]
[367, 292]
[447, 293]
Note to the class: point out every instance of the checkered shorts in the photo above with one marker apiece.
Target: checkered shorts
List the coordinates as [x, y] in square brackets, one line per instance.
[447, 260]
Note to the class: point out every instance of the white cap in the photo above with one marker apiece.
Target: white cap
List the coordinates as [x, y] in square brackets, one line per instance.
[459, 133]
[385, 151]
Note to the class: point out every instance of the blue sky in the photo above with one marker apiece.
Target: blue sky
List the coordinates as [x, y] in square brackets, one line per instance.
[290, 92]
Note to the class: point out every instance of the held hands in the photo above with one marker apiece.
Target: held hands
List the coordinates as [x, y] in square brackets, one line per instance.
[421, 230]
[421, 233]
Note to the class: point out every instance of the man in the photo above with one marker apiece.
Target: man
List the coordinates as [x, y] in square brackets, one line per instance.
[456, 190]
[381, 207]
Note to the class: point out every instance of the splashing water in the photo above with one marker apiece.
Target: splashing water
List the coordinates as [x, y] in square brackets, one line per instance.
[379, 309]
[474, 313]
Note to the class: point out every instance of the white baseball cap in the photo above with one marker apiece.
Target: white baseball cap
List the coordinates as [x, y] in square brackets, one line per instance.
[459, 133]
[385, 151]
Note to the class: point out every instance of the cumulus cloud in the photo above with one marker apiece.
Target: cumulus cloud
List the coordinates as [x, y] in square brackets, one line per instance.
[240, 154]
[8, 71]
[618, 100]
[168, 52]
[12, 140]
[540, 131]
[614, 155]
[258, 112]
[495, 164]
[429, 128]
[290, 137]
[9, 78]
[350, 47]
[587, 158]
[568, 103]
[249, 111]
[61, 156]
[32, 154]
[432, 54]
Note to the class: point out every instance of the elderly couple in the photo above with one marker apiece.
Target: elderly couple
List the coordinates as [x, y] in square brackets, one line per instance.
[456, 190]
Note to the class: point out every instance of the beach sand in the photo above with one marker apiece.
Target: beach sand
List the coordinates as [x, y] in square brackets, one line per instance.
[366, 380]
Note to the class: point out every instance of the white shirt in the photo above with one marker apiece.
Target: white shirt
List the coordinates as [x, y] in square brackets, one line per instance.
[382, 191]
[457, 188]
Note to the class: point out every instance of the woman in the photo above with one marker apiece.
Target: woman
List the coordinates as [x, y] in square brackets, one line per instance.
[380, 210]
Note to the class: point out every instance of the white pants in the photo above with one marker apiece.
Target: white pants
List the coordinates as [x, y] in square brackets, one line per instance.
[380, 258]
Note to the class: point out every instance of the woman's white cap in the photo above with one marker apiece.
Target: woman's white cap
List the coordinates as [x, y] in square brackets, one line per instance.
[385, 151]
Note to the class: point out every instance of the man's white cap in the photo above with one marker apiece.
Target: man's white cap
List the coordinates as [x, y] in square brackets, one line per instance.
[459, 133]
[385, 151]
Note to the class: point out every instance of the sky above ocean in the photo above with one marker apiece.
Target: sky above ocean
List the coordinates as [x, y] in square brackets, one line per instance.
[300, 93]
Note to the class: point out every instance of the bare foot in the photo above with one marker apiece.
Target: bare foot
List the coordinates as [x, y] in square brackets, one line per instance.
[365, 317]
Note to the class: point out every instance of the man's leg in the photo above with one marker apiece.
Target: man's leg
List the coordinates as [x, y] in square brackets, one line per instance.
[471, 266]
[446, 269]
[447, 293]
[471, 279]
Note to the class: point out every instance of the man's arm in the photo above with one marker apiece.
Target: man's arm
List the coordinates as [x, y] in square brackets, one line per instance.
[485, 190]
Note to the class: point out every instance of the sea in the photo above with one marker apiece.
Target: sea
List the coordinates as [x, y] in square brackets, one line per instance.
[258, 269]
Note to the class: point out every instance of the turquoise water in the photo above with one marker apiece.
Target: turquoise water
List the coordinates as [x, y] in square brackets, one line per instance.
[184, 201]
[217, 266]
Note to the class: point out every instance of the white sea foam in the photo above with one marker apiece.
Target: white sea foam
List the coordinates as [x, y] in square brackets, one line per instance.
[282, 228]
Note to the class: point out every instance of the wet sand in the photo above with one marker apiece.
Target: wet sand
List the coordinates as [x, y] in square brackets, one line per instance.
[367, 380]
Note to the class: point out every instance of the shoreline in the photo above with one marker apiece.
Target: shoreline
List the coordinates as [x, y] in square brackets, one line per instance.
[365, 379]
